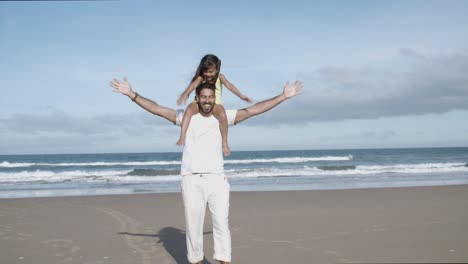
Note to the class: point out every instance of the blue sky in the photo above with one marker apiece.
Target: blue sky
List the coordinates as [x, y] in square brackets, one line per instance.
[376, 74]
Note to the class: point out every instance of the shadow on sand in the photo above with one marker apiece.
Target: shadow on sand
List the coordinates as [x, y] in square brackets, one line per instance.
[173, 240]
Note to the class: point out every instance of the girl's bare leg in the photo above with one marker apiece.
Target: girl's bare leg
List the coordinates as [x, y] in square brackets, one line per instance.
[220, 113]
[191, 110]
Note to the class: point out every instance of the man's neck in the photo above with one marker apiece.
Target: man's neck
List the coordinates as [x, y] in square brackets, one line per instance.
[205, 114]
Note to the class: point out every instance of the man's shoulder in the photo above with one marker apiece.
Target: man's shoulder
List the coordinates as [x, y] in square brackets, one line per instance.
[230, 114]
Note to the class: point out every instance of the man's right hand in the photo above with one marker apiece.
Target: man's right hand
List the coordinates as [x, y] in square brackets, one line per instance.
[121, 87]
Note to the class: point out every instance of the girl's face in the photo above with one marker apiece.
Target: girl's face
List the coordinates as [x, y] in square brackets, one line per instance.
[210, 73]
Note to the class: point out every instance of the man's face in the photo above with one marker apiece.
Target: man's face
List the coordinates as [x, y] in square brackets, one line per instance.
[206, 101]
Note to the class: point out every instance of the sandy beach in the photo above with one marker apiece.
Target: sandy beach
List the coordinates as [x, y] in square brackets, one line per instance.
[416, 224]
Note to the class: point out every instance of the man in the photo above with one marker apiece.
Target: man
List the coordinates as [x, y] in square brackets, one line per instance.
[202, 170]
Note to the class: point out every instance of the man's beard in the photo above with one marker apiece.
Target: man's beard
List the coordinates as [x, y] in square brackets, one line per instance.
[209, 107]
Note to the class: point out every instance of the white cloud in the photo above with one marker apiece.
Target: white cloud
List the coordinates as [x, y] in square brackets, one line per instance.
[412, 84]
[59, 132]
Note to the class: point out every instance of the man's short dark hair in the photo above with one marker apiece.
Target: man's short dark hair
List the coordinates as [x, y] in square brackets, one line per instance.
[205, 85]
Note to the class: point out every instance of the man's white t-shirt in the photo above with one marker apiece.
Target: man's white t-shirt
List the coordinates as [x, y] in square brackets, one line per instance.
[203, 145]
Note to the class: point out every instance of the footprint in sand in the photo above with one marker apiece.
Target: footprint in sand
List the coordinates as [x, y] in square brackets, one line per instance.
[6, 232]
[149, 251]
[23, 236]
[62, 248]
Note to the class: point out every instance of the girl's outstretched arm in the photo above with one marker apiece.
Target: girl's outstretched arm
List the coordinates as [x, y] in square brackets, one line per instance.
[234, 89]
[183, 96]
[126, 89]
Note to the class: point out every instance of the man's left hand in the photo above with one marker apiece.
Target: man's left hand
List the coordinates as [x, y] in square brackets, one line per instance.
[291, 90]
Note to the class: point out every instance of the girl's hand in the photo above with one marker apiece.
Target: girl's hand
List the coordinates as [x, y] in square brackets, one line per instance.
[246, 98]
[121, 87]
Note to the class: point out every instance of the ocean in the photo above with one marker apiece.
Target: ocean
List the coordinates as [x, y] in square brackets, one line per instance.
[124, 173]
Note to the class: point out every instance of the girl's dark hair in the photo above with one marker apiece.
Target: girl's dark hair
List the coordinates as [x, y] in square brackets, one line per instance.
[208, 61]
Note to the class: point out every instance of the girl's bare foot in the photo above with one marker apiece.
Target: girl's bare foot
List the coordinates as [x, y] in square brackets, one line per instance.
[180, 142]
[226, 150]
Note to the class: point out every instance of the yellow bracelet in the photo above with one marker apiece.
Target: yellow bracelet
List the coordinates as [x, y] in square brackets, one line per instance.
[134, 98]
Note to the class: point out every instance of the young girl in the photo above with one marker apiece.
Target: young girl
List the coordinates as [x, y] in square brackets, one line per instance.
[208, 71]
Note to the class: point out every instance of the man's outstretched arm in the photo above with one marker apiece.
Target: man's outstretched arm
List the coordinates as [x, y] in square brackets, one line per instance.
[289, 91]
[126, 89]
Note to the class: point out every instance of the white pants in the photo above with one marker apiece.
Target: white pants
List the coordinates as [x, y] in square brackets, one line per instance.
[198, 190]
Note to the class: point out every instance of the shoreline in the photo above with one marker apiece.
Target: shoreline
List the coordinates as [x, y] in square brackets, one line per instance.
[409, 224]
[240, 150]
[276, 187]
